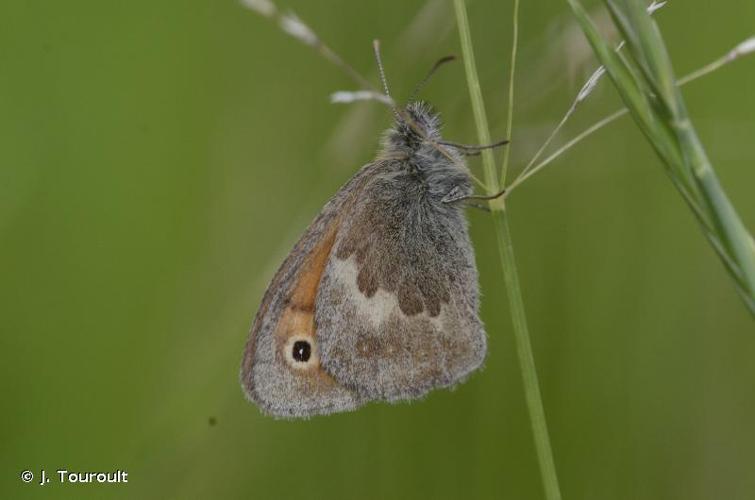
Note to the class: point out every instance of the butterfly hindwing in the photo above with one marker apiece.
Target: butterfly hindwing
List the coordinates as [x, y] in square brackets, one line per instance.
[396, 309]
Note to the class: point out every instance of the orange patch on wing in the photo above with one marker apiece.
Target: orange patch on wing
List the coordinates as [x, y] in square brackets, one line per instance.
[303, 296]
[297, 319]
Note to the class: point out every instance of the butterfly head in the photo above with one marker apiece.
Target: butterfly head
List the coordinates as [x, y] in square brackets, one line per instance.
[415, 133]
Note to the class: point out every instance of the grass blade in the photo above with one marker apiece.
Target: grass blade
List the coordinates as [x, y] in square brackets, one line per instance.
[646, 83]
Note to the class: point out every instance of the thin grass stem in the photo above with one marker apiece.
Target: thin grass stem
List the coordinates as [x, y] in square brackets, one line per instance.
[508, 265]
[567, 146]
[529, 171]
[584, 92]
[478, 105]
[510, 107]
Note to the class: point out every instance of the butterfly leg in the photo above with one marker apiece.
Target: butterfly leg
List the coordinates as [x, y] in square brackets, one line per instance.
[456, 194]
[480, 206]
[473, 149]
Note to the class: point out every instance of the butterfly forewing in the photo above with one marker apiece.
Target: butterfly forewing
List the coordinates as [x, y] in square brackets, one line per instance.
[281, 370]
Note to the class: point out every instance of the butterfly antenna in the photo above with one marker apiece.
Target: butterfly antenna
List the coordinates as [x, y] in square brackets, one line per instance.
[383, 79]
[440, 62]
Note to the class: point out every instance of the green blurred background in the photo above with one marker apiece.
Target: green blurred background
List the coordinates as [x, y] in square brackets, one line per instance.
[158, 159]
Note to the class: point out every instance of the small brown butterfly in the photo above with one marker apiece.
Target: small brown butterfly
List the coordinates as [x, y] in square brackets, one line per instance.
[378, 300]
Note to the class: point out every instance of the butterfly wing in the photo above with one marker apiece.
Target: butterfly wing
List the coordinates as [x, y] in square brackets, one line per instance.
[377, 300]
[281, 370]
[397, 305]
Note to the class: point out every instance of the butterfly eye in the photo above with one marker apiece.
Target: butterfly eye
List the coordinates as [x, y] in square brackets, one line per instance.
[301, 351]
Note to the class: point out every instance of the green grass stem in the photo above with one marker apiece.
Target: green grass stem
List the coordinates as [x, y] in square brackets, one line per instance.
[508, 264]
[510, 104]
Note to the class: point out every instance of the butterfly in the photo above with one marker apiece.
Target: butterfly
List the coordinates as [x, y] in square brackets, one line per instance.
[379, 298]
